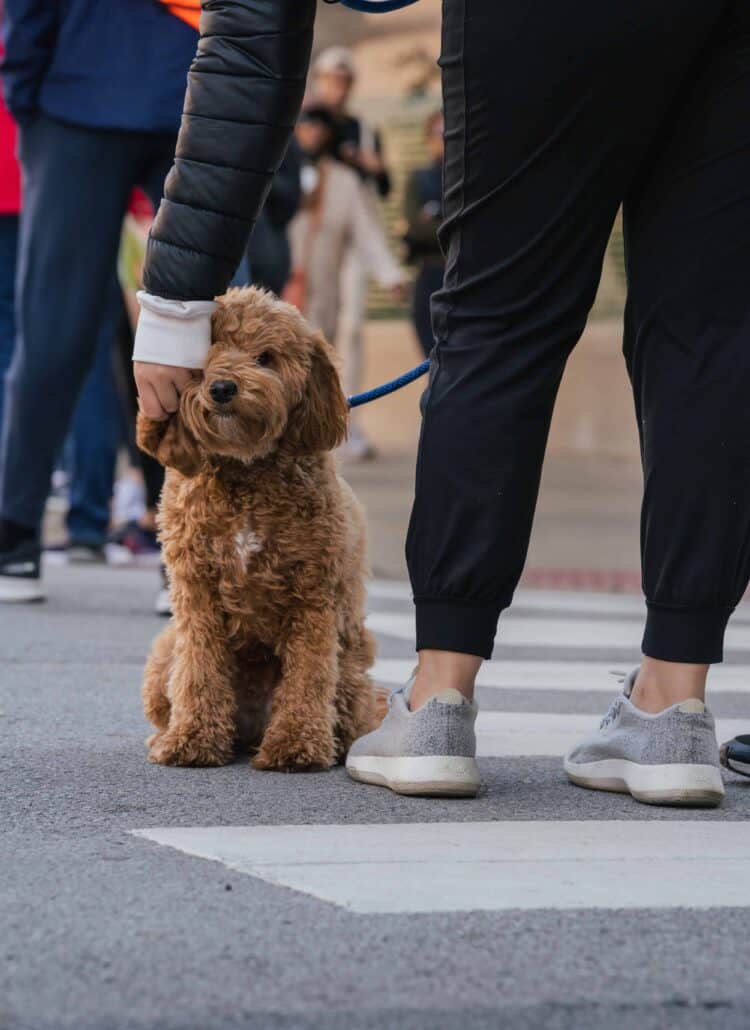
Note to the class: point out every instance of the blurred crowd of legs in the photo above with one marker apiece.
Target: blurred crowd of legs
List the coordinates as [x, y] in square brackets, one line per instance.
[78, 192]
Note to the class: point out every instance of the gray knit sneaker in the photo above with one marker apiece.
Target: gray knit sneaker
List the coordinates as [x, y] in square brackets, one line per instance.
[671, 758]
[430, 751]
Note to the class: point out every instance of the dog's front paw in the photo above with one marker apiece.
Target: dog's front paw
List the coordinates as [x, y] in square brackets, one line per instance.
[290, 748]
[176, 747]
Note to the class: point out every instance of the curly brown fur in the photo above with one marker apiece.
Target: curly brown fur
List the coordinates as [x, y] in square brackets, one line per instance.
[265, 549]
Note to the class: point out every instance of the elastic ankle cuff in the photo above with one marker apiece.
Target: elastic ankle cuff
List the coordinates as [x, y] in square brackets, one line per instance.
[693, 635]
[452, 626]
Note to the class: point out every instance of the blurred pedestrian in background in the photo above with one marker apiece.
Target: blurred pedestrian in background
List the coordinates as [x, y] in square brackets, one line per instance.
[97, 88]
[136, 497]
[10, 205]
[334, 220]
[269, 253]
[357, 144]
[423, 213]
[90, 453]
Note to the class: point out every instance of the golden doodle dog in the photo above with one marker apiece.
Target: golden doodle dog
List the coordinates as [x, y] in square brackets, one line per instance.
[265, 550]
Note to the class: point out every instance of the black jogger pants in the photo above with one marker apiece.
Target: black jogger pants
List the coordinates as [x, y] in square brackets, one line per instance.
[556, 114]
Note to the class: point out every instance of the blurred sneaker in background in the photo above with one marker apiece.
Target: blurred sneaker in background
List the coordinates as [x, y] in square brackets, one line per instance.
[20, 572]
[356, 448]
[75, 552]
[129, 500]
[735, 755]
[134, 544]
[58, 498]
[163, 604]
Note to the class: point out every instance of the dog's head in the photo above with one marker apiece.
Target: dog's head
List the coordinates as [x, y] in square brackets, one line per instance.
[269, 382]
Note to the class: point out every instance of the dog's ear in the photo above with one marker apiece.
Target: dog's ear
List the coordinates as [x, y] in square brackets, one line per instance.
[170, 443]
[319, 421]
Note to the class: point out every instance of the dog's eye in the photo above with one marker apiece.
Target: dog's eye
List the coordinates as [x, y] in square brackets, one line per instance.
[264, 358]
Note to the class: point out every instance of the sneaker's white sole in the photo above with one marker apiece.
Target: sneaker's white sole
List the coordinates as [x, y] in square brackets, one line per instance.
[674, 784]
[449, 776]
[739, 767]
[17, 590]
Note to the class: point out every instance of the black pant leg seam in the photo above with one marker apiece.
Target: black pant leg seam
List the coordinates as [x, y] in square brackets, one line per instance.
[440, 338]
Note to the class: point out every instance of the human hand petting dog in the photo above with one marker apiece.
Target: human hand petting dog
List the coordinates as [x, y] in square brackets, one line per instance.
[160, 386]
[172, 341]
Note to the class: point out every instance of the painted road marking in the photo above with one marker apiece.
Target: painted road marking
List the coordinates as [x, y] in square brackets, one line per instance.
[488, 866]
[522, 631]
[558, 675]
[514, 734]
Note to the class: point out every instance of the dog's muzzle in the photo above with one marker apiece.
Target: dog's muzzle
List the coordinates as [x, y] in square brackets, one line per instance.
[222, 391]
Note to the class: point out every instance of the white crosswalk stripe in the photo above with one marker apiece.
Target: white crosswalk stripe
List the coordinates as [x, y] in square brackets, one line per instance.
[449, 867]
[413, 867]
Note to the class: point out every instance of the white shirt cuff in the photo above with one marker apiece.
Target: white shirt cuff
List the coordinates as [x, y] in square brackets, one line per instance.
[173, 332]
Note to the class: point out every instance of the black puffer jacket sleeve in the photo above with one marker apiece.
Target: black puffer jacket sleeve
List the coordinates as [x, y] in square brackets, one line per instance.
[245, 88]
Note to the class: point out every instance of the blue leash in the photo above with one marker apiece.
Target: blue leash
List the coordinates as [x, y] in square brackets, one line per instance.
[386, 388]
[374, 6]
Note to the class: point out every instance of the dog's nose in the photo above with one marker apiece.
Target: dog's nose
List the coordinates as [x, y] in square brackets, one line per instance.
[223, 390]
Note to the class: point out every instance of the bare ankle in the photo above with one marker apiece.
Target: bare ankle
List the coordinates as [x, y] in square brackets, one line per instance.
[661, 684]
[443, 670]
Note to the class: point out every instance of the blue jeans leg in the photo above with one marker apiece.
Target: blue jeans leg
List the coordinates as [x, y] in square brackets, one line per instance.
[242, 276]
[76, 183]
[8, 247]
[95, 438]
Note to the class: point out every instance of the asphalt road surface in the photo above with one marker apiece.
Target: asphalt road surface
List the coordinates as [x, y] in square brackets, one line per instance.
[135, 896]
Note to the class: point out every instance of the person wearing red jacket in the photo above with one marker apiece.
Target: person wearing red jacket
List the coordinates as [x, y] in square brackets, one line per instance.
[10, 205]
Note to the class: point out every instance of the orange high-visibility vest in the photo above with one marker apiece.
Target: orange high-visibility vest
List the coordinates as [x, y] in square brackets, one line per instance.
[188, 10]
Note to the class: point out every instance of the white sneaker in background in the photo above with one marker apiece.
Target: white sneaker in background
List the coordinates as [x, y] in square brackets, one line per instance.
[20, 573]
[163, 605]
[128, 501]
[355, 448]
[58, 499]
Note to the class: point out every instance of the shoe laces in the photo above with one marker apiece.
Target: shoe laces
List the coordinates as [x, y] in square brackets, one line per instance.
[401, 690]
[614, 708]
[613, 712]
